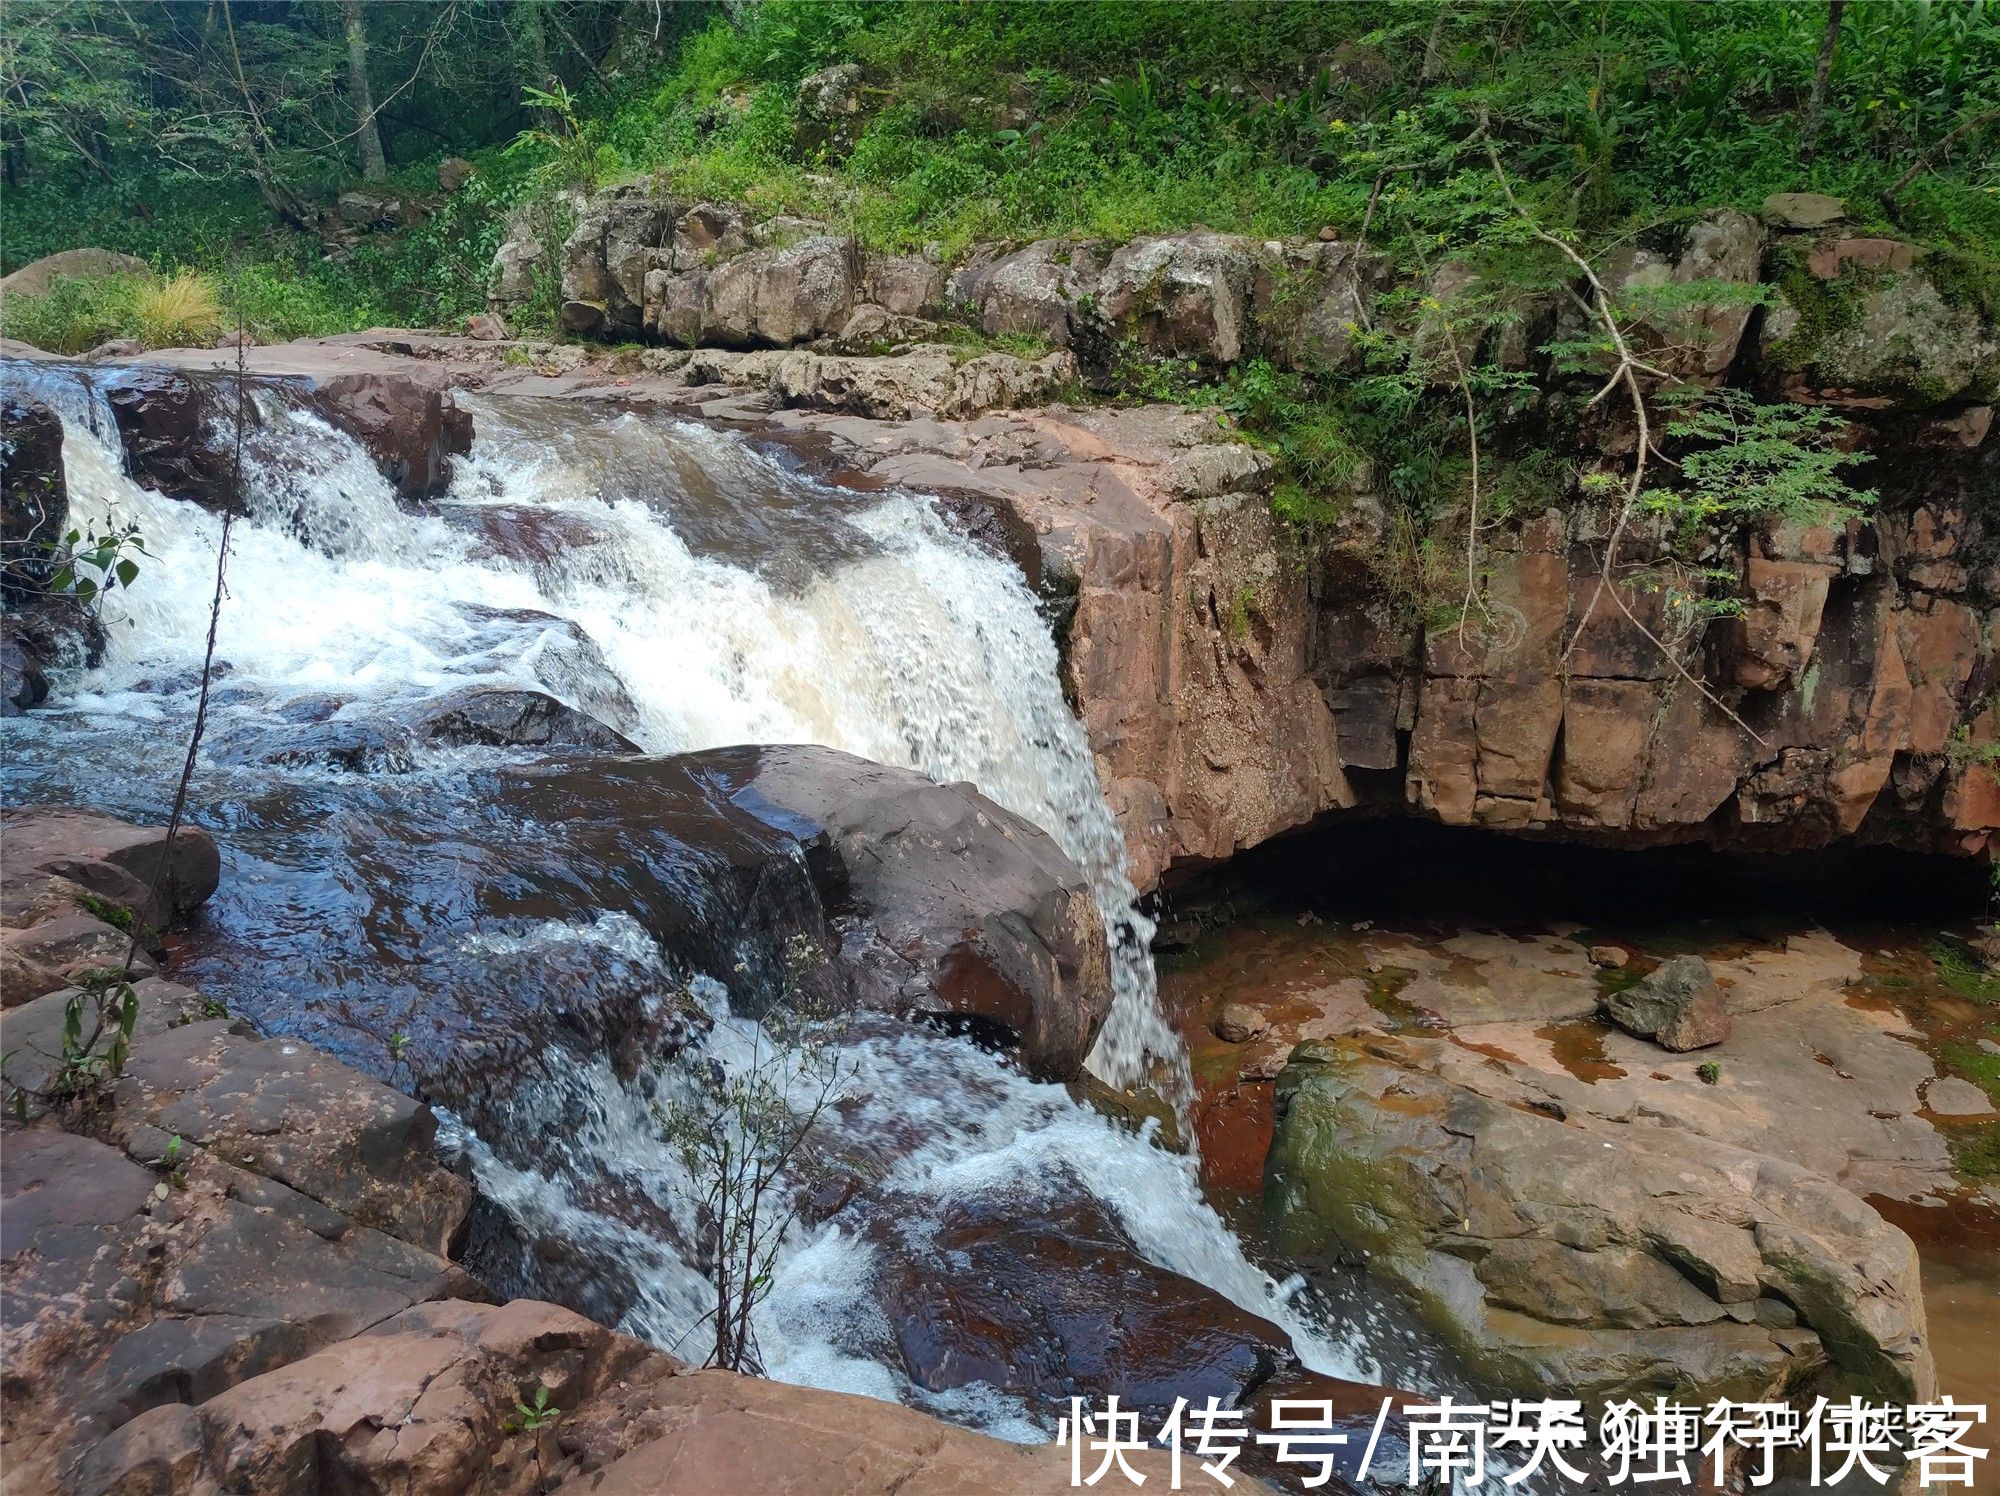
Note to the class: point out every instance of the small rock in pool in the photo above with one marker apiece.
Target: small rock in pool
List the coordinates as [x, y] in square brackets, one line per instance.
[1239, 1023]
[1610, 956]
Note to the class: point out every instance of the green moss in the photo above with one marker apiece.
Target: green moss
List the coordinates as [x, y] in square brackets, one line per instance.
[1976, 1150]
[110, 911]
[1974, 1064]
[1966, 280]
[1963, 972]
[1827, 309]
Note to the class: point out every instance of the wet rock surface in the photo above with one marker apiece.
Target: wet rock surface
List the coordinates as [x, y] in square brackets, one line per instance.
[1443, 1068]
[1513, 1231]
[963, 909]
[226, 1268]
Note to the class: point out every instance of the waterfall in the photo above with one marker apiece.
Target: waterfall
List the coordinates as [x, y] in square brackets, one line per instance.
[692, 591]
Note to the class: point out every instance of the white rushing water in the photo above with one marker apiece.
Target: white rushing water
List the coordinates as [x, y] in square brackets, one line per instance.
[735, 602]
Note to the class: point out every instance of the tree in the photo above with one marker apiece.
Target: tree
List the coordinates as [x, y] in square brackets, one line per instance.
[743, 1129]
[1816, 105]
[373, 167]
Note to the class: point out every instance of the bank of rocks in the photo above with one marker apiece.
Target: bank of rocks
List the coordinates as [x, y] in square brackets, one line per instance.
[228, 1266]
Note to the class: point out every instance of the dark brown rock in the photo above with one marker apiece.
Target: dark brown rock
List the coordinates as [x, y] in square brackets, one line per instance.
[973, 911]
[115, 860]
[496, 718]
[34, 499]
[172, 426]
[1025, 1298]
[411, 427]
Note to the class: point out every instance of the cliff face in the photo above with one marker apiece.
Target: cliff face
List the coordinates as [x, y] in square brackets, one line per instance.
[1236, 686]
[1861, 670]
[1239, 682]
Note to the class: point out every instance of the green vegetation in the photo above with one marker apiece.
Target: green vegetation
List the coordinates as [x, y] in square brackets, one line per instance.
[1963, 972]
[109, 910]
[205, 135]
[1489, 151]
[98, 1021]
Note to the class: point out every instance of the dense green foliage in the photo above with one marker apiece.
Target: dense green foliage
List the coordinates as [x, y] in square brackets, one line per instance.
[208, 134]
[1027, 120]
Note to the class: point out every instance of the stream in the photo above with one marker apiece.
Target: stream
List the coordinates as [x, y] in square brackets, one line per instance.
[439, 918]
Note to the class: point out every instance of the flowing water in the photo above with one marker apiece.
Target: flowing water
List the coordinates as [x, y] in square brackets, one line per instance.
[514, 926]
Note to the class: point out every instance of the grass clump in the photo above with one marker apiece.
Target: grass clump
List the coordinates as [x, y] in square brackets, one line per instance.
[183, 310]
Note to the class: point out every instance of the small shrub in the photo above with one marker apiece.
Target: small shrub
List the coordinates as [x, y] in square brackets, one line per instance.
[1709, 1071]
[181, 311]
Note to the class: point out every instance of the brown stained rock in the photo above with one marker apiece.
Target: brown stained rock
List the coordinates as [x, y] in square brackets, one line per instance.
[1045, 1299]
[1698, 341]
[291, 1114]
[113, 859]
[1834, 256]
[411, 427]
[53, 953]
[1442, 779]
[1239, 1023]
[1611, 957]
[1772, 642]
[971, 910]
[128, 1287]
[1605, 728]
[424, 1402]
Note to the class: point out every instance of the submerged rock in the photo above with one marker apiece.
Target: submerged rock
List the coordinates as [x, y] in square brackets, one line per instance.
[496, 718]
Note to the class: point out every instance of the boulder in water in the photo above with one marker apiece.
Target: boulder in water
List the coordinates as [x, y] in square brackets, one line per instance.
[1587, 1258]
[970, 910]
[114, 860]
[1052, 1300]
[493, 717]
[34, 498]
[174, 428]
[411, 426]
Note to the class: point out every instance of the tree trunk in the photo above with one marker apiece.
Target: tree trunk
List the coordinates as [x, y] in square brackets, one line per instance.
[1816, 105]
[373, 167]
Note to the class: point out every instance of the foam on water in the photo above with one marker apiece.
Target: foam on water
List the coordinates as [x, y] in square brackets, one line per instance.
[866, 623]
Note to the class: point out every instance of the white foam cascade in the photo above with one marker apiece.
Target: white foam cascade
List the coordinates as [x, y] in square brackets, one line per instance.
[869, 625]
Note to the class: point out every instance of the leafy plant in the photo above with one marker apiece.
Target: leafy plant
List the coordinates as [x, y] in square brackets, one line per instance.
[1748, 460]
[96, 564]
[533, 1416]
[98, 1021]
